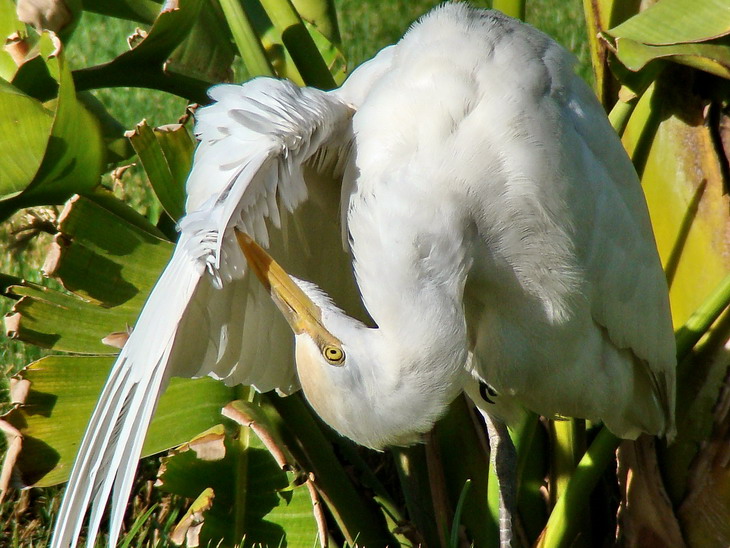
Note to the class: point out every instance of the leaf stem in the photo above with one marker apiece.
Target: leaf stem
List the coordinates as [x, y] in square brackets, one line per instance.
[565, 517]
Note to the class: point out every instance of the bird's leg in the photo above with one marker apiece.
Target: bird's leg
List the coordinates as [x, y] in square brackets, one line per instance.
[504, 461]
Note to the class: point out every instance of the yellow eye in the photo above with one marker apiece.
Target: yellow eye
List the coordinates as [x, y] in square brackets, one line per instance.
[333, 354]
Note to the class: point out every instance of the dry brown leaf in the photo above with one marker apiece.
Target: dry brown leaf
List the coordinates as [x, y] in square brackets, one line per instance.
[646, 516]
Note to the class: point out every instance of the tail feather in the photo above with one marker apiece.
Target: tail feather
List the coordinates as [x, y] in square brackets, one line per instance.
[108, 454]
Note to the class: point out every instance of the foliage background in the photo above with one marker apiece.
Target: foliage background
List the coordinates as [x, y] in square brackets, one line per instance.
[677, 115]
[365, 25]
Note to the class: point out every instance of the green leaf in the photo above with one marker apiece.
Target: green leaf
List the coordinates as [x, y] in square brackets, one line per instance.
[332, 55]
[145, 64]
[51, 319]
[116, 266]
[142, 11]
[358, 519]
[567, 514]
[206, 53]
[682, 179]
[9, 25]
[320, 14]
[63, 392]
[463, 460]
[26, 125]
[239, 485]
[713, 57]
[166, 154]
[250, 48]
[73, 159]
[117, 146]
[677, 21]
[299, 44]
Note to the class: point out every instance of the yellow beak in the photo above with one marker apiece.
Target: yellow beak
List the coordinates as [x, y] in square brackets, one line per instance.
[298, 309]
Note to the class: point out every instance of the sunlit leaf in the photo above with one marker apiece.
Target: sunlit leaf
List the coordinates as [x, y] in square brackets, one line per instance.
[144, 64]
[331, 54]
[9, 26]
[253, 499]
[677, 21]
[63, 392]
[51, 319]
[73, 158]
[682, 178]
[116, 266]
[206, 53]
[709, 57]
[25, 124]
[166, 155]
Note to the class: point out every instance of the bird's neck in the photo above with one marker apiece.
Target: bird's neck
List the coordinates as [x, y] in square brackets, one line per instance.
[420, 343]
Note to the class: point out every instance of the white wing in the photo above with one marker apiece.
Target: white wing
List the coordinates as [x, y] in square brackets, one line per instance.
[259, 142]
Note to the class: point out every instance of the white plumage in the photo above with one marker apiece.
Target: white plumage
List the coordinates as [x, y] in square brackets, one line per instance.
[496, 230]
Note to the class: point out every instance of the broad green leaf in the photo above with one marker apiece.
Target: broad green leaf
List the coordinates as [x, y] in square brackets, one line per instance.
[105, 199]
[63, 393]
[294, 423]
[142, 11]
[26, 125]
[58, 321]
[73, 159]
[246, 496]
[116, 266]
[709, 57]
[166, 155]
[682, 179]
[144, 64]
[117, 146]
[206, 53]
[677, 21]
[9, 25]
[34, 78]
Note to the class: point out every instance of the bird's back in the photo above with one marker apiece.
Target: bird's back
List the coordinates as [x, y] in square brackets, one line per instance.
[497, 167]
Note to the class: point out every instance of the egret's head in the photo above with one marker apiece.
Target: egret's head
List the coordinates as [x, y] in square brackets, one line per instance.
[344, 367]
[303, 310]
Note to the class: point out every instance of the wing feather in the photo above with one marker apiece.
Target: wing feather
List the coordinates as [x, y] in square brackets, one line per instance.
[203, 316]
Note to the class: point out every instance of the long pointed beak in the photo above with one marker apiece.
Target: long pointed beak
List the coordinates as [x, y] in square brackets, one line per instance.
[298, 309]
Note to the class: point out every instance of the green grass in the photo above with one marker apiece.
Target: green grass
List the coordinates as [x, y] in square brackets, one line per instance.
[366, 27]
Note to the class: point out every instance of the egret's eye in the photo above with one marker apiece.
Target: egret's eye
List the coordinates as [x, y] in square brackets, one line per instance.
[333, 354]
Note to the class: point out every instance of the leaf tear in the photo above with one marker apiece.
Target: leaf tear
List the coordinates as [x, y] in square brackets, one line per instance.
[188, 530]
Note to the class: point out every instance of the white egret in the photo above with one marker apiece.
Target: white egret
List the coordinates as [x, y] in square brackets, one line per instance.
[495, 226]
